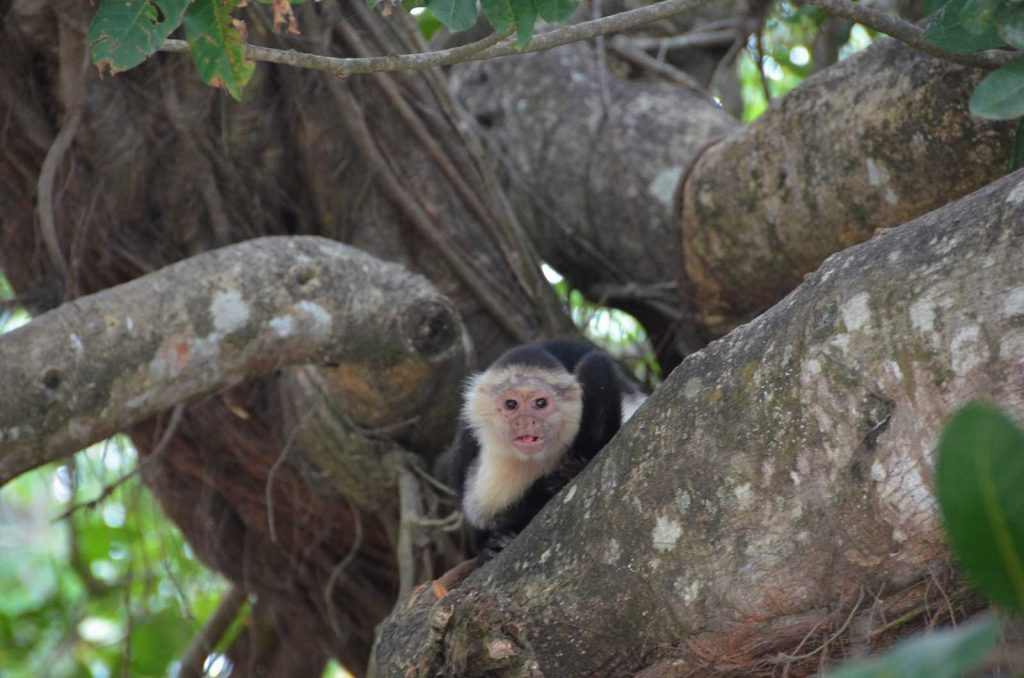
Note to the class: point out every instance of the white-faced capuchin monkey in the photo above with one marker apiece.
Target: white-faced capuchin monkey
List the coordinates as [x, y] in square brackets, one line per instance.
[530, 422]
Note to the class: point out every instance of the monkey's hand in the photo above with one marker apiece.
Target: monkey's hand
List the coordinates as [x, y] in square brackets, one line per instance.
[494, 544]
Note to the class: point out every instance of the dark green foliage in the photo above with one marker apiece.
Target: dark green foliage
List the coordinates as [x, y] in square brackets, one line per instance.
[1000, 96]
[973, 25]
[979, 481]
[958, 26]
[941, 654]
[1017, 152]
[216, 44]
[125, 32]
[456, 15]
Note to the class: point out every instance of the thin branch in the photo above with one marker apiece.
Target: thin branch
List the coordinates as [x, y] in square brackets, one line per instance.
[910, 35]
[410, 501]
[701, 38]
[339, 569]
[761, 56]
[425, 222]
[206, 640]
[157, 452]
[268, 489]
[782, 656]
[346, 66]
[488, 48]
[627, 50]
[433, 148]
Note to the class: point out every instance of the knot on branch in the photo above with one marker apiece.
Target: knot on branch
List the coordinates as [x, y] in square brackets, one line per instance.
[433, 329]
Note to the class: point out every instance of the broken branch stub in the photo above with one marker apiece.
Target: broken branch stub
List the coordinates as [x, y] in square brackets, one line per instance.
[96, 365]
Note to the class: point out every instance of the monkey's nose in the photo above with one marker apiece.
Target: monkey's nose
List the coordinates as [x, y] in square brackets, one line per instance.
[525, 425]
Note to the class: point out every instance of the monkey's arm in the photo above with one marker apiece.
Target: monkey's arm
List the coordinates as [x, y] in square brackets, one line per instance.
[603, 388]
[458, 460]
[513, 519]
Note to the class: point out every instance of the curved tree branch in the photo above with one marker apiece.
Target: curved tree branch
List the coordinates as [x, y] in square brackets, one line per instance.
[868, 143]
[94, 366]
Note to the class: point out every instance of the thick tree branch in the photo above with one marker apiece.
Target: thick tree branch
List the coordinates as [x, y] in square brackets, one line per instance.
[94, 366]
[775, 479]
[869, 143]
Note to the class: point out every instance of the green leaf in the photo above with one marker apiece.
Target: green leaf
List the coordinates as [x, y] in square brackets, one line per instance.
[499, 13]
[1000, 96]
[959, 27]
[940, 654]
[556, 10]
[982, 16]
[456, 15]
[427, 22]
[155, 642]
[524, 17]
[124, 32]
[1013, 31]
[978, 476]
[216, 42]
[504, 14]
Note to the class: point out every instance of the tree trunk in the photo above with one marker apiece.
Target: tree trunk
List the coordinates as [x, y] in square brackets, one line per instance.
[777, 484]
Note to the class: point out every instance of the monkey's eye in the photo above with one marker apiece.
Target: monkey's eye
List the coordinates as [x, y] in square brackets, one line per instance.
[540, 403]
[511, 404]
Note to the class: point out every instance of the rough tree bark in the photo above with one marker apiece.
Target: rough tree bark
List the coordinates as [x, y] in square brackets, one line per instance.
[90, 368]
[869, 143]
[776, 485]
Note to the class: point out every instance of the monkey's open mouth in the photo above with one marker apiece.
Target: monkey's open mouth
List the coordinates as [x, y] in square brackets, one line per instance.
[528, 443]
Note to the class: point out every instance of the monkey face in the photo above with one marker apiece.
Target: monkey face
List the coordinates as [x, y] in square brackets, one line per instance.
[524, 413]
[531, 418]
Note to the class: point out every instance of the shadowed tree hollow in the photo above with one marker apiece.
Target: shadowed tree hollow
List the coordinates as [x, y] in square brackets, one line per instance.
[279, 299]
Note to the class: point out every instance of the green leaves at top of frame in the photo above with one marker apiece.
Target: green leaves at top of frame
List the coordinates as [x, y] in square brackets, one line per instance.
[458, 15]
[216, 41]
[979, 475]
[124, 32]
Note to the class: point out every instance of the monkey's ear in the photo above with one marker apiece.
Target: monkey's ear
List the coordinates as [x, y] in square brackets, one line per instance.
[570, 390]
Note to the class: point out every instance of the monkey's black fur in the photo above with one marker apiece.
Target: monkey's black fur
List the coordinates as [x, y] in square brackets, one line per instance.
[603, 389]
